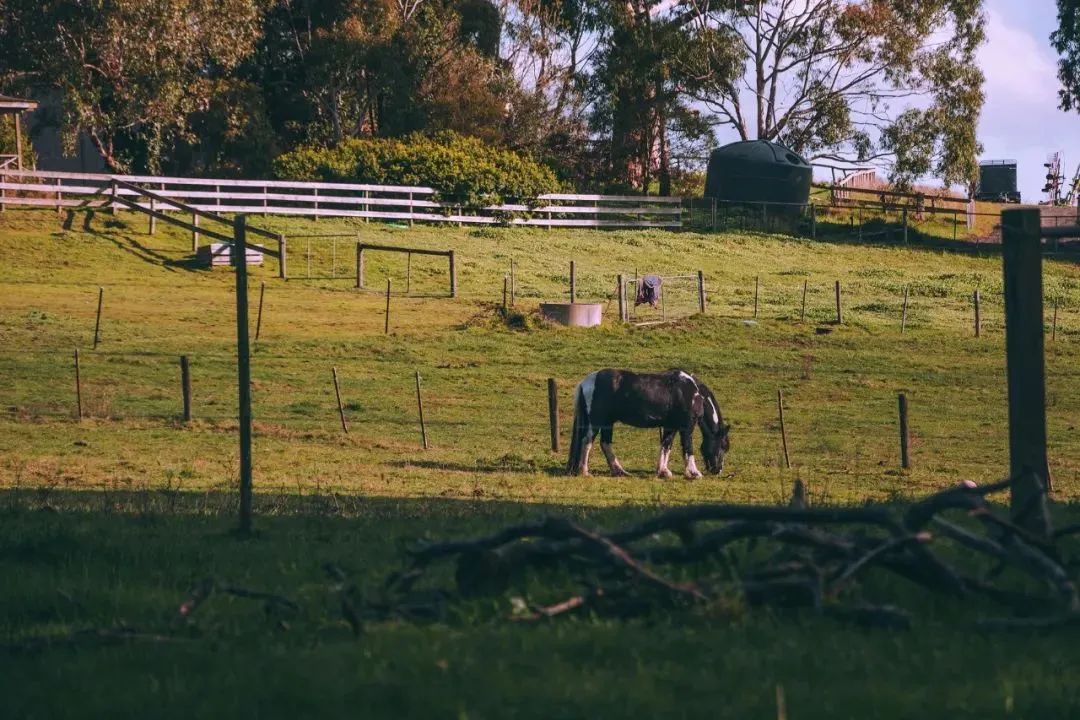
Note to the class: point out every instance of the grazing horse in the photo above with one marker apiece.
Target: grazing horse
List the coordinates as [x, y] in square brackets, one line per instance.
[674, 401]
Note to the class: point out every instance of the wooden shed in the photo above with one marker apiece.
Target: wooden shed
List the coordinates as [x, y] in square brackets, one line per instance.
[14, 107]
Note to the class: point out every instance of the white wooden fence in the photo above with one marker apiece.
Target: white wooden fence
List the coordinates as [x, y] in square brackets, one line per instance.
[320, 199]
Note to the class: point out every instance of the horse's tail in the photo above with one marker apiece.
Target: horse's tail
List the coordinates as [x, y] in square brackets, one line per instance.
[577, 431]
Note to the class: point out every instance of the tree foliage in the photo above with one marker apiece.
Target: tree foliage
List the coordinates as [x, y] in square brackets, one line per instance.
[1066, 40]
[132, 73]
[463, 169]
[609, 93]
[858, 80]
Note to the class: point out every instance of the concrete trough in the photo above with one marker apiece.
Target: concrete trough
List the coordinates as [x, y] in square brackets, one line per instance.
[573, 314]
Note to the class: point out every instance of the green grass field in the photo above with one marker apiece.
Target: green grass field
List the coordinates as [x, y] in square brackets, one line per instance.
[110, 521]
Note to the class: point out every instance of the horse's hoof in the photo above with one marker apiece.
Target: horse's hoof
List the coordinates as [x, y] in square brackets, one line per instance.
[692, 476]
[619, 472]
[664, 474]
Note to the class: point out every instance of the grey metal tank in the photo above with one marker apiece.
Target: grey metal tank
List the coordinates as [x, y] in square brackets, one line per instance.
[758, 171]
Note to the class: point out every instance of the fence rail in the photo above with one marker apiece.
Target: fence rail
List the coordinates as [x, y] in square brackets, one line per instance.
[322, 199]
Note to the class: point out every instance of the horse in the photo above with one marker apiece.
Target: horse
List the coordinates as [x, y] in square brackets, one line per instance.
[674, 401]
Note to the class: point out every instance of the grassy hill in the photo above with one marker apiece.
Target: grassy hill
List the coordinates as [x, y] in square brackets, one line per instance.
[137, 503]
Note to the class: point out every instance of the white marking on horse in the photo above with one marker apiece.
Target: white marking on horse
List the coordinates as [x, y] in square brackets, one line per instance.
[588, 387]
[691, 468]
[715, 415]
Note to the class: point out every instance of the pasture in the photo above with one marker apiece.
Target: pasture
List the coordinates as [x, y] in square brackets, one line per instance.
[109, 521]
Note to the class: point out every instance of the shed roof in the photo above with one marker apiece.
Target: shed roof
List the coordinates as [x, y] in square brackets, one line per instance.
[10, 104]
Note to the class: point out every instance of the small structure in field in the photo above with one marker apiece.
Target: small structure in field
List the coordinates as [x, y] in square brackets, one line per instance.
[221, 254]
[573, 314]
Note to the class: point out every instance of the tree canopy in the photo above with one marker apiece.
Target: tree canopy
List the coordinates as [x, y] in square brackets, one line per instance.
[1066, 40]
[610, 93]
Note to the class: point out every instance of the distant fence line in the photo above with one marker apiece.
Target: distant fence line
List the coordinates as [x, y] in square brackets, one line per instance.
[323, 199]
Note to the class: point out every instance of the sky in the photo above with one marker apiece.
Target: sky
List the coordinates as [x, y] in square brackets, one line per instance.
[1020, 120]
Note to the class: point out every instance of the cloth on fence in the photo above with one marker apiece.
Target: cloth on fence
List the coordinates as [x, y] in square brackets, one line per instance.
[648, 291]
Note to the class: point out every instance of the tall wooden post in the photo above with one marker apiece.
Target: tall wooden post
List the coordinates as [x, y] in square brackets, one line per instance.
[1028, 467]
[905, 438]
[78, 386]
[359, 265]
[258, 317]
[185, 386]
[573, 282]
[340, 407]
[978, 313]
[513, 284]
[904, 220]
[1053, 326]
[903, 313]
[97, 323]
[553, 413]
[453, 274]
[701, 291]
[783, 427]
[195, 233]
[386, 326]
[283, 257]
[839, 306]
[420, 409]
[802, 313]
[757, 287]
[620, 291]
[243, 366]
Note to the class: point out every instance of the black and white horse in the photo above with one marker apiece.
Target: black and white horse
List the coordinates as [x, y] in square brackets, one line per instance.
[674, 401]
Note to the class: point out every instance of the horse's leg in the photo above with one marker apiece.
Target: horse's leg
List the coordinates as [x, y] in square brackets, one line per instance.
[667, 438]
[686, 436]
[590, 435]
[605, 445]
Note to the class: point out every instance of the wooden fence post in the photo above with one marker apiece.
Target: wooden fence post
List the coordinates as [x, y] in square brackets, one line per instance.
[258, 321]
[243, 356]
[713, 214]
[903, 313]
[420, 409]
[839, 306]
[905, 438]
[757, 286]
[978, 313]
[573, 282]
[386, 326]
[1025, 363]
[620, 291]
[513, 284]
[340, 408]
[359, 265]
[783, 427]
[195, 233]
[802, 313]
[283, 257]
[97, 323]
[185, 386]
[553, 413]
[1053, 327]
[78, 386]
[153, 219]
[701, 291]
[453, 274]
[506, 294]
[903, 218]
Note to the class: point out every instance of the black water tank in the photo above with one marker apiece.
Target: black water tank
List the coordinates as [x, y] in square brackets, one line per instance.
[758, 171]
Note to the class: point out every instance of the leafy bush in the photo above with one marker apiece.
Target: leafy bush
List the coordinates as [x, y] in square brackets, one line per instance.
[461, 169]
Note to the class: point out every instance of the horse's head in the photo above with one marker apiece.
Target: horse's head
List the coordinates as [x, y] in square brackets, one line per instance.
[715, 440]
